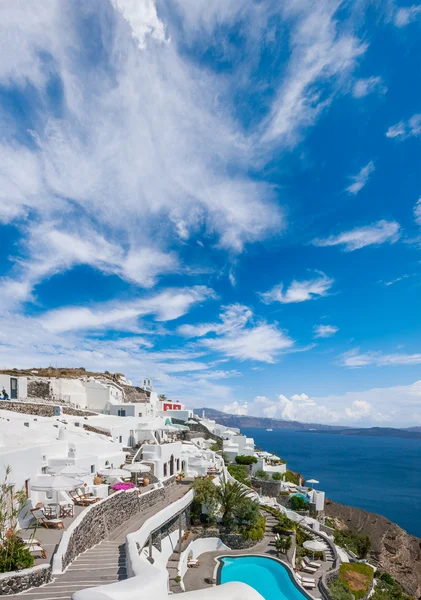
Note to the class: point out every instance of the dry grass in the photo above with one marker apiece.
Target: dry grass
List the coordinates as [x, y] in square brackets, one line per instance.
[357, 576]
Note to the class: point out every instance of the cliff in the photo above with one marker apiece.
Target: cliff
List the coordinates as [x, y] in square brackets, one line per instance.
[393, 549]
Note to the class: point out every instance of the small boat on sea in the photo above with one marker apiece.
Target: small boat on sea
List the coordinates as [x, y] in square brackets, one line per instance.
[269, 429]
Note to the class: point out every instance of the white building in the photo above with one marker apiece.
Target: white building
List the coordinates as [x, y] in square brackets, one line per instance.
[29, 445]
[267, 465]
[166, 458]
[15, 387]
[237, 445]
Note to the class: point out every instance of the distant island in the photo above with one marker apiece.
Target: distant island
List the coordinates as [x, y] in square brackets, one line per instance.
[241, 421]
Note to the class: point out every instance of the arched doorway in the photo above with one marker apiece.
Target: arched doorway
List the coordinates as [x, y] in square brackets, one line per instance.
[172, 465]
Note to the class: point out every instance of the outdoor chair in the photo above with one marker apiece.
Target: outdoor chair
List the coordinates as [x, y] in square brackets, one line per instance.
[41, 519]
[83, 500]
[307, 568]
[305, 582]
[312, 563]
[36, 549]
[193, 563]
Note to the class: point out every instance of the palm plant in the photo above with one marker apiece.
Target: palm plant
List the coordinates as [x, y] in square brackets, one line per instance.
[229, 495]
[13, 554]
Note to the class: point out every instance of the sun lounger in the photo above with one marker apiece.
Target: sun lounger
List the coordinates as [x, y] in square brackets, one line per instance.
[306, 582]
[312, 563]
[307, 568]
[36, 549]
[39, 515]
[83, 500]
[193, 562]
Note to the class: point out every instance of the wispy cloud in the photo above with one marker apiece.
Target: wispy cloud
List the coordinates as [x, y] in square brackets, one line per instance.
[378, 233]
[406, 15]
[238, 335]
[320, 52]
[370, 85]
[299, 291]
[405, 129]
[417, 212]
[324, 331]
[355, 359]
[166, 306]
[361, 179]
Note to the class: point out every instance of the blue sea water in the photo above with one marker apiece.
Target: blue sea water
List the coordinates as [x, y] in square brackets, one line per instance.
[267, 576]
[379, 474]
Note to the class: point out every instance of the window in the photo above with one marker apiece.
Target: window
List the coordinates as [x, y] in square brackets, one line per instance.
[120, 439]
[121, 412]
[44, 470]
[27, 488]
[92, 468]
[178, 464]
[165, 469]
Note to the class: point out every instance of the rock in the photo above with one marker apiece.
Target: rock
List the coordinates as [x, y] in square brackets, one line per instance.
[395, 550]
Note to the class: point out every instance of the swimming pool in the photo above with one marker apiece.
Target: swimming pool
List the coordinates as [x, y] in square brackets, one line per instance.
[267, 576]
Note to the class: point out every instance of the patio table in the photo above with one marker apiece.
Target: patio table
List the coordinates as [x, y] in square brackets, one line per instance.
[50, 511]
[66, 510]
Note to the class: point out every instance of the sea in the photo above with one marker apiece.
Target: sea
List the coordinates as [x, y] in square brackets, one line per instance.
[379, 474]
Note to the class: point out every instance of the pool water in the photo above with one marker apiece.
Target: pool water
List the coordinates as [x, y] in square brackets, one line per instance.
[267, 576]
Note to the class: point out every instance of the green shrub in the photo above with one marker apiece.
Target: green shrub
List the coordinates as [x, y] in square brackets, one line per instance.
[260, 474]
[292, 477]
[240, 473]
[14, 555]
[247, 512]
[257, 532]
[298, 503]
[358, 543]
[357, 577]
[245, 460]
[301, 536]
[340, 591]
[388, 589]
[276, 477]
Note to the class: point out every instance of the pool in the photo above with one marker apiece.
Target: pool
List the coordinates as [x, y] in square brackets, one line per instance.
[266, 575]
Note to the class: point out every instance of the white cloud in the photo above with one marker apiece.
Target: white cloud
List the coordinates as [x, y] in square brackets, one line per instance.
[320, 52]
[406, 15]
[370, 85]
[141, 154]
[237, 336]
[417, 212]
[372, 407]
[299, 291]
[405, 129]
[235, 409]
[354, 359]
[143, 20]
[166, 306]
[378, 233]
[324, 331]
[361, 179]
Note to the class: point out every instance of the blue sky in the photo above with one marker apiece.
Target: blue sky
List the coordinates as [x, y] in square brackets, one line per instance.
[223, 196]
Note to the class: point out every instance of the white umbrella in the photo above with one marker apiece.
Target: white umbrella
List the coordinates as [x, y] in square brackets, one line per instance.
[55, 483]
[68, 470]
[313, 481]
[114, 472]
[315, 545]
[137, 468]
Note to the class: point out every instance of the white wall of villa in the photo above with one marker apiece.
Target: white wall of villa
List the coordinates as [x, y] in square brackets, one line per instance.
[165, 457]
[238, 445]
[263, 465]
[15, 387]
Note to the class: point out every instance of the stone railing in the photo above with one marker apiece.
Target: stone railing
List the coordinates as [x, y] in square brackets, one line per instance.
[43, 409]
[20, 581]
[266, 488]
[96, 522]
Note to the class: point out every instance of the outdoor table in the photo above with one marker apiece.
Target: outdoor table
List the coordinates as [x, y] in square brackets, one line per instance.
[66, 510]
[50, 511]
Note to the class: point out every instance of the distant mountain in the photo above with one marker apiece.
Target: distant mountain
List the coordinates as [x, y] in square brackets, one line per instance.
[378, 432]
[260, 422]
[265, 423]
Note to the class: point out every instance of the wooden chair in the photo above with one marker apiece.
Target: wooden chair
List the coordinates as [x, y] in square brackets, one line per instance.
[41, 519]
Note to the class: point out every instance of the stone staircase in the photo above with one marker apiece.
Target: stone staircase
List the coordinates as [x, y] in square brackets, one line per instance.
[103, 564]
[131, 456]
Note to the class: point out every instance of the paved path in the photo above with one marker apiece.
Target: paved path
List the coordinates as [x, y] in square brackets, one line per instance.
[105, 563]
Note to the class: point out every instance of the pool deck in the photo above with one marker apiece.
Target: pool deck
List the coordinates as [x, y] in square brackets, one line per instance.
[203, 576]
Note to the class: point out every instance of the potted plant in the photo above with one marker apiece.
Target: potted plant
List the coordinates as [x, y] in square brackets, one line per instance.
[97, 479]
[145, 481]
[180, 476]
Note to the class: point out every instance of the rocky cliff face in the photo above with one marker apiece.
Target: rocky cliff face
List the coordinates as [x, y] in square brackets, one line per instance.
[393, 548]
